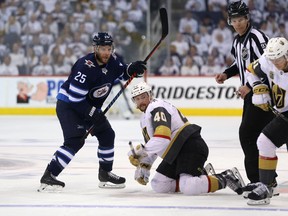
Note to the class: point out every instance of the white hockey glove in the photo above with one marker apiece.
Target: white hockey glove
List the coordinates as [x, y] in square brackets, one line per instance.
[136, 156]
[261, 97]
[142, 173]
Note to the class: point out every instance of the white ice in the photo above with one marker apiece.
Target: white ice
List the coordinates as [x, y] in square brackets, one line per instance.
[28, 142]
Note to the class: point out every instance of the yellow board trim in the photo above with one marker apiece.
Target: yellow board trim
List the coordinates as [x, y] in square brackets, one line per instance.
[184, 111]
[210, 112]
[27, 111]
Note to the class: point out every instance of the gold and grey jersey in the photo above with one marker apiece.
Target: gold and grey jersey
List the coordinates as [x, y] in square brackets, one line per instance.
[165, 129]
[278, 81]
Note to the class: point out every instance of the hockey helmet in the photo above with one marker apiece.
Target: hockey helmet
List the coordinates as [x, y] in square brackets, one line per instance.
[102, 39]
[140, 88]
[276, 48]
[237, 9]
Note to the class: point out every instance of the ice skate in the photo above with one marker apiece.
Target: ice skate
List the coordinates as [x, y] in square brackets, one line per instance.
[260, 195]
[49, 183]
[209, 169]
[233, 181]
[110, 180]
[251, 186]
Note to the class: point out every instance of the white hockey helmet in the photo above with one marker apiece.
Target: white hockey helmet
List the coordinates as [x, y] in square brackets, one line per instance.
[277, 47]
[140, 88]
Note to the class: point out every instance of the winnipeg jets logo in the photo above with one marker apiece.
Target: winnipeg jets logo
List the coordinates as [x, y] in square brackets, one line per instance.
[100, 92]
[89, 63]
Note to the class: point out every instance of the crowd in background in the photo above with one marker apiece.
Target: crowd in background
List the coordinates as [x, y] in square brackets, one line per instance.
[45, 37]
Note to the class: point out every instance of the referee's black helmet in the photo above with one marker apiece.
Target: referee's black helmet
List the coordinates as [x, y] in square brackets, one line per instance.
[237, 9]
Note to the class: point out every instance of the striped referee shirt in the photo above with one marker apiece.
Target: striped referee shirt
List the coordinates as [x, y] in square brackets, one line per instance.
[246, 49]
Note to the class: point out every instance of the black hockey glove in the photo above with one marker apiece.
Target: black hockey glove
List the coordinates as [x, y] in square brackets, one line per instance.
[138, 67]
[95, 115]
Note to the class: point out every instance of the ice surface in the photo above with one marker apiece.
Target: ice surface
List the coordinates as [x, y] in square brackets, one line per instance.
[28, 142]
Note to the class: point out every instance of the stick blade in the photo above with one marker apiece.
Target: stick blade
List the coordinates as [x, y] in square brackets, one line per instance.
[164, 22]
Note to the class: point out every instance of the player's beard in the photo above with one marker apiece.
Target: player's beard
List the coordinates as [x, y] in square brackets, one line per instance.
[142, 107]
[102, 59]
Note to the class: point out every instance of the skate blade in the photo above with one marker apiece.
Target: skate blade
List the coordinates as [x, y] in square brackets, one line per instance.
[50, 188]
[238, 175]
[259, 202]
[109, 185]
[274, 193]
[209, 169]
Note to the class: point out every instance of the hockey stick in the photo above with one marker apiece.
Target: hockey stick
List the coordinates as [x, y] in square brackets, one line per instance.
[164, 23]
[132, 148]
[277, 113]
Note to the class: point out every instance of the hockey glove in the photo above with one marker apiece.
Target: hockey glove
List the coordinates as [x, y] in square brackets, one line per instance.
[95, 115]
[142, 173]
[138, 67]
[261, 97]
[136, 157]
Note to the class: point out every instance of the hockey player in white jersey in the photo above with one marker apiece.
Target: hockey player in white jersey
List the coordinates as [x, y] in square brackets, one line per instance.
[169, 135]
[273, 63]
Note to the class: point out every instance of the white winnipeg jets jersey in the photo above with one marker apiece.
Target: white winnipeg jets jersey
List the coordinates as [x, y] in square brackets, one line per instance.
[278, 81]
[161, 124]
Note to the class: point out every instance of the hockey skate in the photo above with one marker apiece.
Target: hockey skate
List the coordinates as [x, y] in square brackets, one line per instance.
[234, 182]
[251, 186]
[260, 195]
[209, 169]
[110, 180]
[49, 183]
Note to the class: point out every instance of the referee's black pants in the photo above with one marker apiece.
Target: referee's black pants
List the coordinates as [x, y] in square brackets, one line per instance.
[254, 120]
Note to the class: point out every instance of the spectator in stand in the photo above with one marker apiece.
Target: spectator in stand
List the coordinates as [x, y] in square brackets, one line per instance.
[217, 5]
[60, 68]
[33, 26]
[188, 35]
[182, 47]
[135, 14]
[177, 59]
[169, 68]
[7, 68]
[17, 57]
[60, 43]
[221, 44]
[205, 35]
[13, 26]
[189, 67]
[264, 28]
[69, 57]
[49, 5]
[79, 48]
[195, 5]
[46, 37]
[202, 47]
[193, 53]
[210, 67]
[53, 25]
[37, 46]
[219, 58]
[224, 30]
[67, 34]
[88, 24]
[44, 68]
[59, 15]
[94, 10]
[78, 12]
[30, 60]
[188, 20]
[282, 31]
